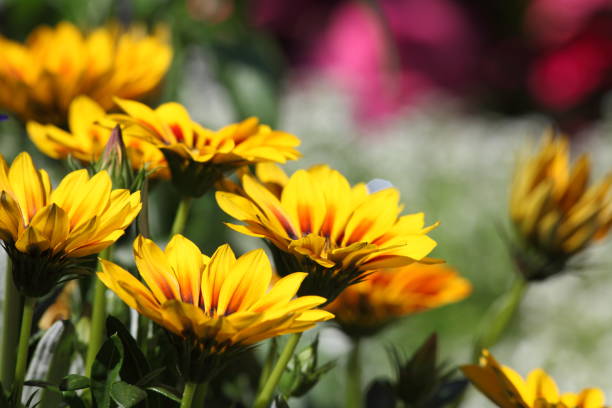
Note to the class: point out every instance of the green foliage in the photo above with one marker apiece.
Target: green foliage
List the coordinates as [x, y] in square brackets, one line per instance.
[420, 381]
[303, 372]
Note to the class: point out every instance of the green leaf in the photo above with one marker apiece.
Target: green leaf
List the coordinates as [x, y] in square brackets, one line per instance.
[148, 378]
[126, 395]
[135, 365]
[105, 371]
[73, 382]
[166, 392]
[73, 400]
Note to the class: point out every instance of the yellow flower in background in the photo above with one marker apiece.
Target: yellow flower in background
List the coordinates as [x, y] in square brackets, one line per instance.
[199, 157]
[554, 209]
[89, 132]
[45, 231]
[507, 389]
[383, 296]
[318, 223]
[219, 303]
[39, 79]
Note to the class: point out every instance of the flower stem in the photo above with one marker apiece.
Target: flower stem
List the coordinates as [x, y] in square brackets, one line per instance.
[182, 213]
[353, 378]
[498, 317]
[12, 309]
[188, 395]
[200, 395]
[267, 391]
[22, 349]
[98, 318]
[267, 367]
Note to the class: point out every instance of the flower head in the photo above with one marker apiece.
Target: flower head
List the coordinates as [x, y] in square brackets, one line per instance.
[319, 223]
[555, 211]
[383, 296]
[47, 231]
[507, 389]
[90, 130]
[39, 79]
[198, 157]
[219, 304]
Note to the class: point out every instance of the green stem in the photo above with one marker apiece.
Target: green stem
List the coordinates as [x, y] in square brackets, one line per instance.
[353, 378]
[22, 349]
[12, 309]
[98, 318]
[188, 394]
[267, 368]
[200, 395]
[498, 317]
[265, 395]
[180, 219]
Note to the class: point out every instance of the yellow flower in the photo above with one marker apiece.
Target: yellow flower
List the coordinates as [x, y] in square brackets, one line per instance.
[554, 210]
[198, 157]
[507, 389]
[384, 296]
[39, 79]
[220, 304]
[90, 130]
[45, 231]
[322, 225]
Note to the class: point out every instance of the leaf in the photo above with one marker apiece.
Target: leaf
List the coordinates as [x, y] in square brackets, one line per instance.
[73, 382]
[380, 394]
[148, 378]
[135, 365]
[280, 402]
[105, 371]
[126, 395]
[72, 399]
[49, 362]
[166, 392]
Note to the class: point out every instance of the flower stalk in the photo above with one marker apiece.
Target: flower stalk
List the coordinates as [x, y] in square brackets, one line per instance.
[499, 315]
[189, 394]
[11, 319]
[22, 349]
[353, 377]
[267, 391]
[98, 317]
[182, 213]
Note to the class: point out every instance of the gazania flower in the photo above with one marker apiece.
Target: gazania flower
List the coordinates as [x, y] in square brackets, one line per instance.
[198, 157]
[90, 130]
[507, 389]
[555, 211]
[320, 224]
[219, 304]
[384, 296]
[46, 232]
[39, 79]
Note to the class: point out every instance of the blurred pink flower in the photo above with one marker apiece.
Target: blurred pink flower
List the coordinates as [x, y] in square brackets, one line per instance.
[427, 47]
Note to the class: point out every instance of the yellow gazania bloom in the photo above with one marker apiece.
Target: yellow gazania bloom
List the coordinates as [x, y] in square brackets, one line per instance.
[44, 230]
[383, 296]
[220, 303]
[198, 157]
[90, 130]
[553, 207]
[320, 224]
[507, 389]
[39, 79]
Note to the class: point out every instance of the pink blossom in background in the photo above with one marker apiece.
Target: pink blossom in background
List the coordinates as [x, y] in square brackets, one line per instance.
[573, 51]
[431, 50]
[552, 22]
